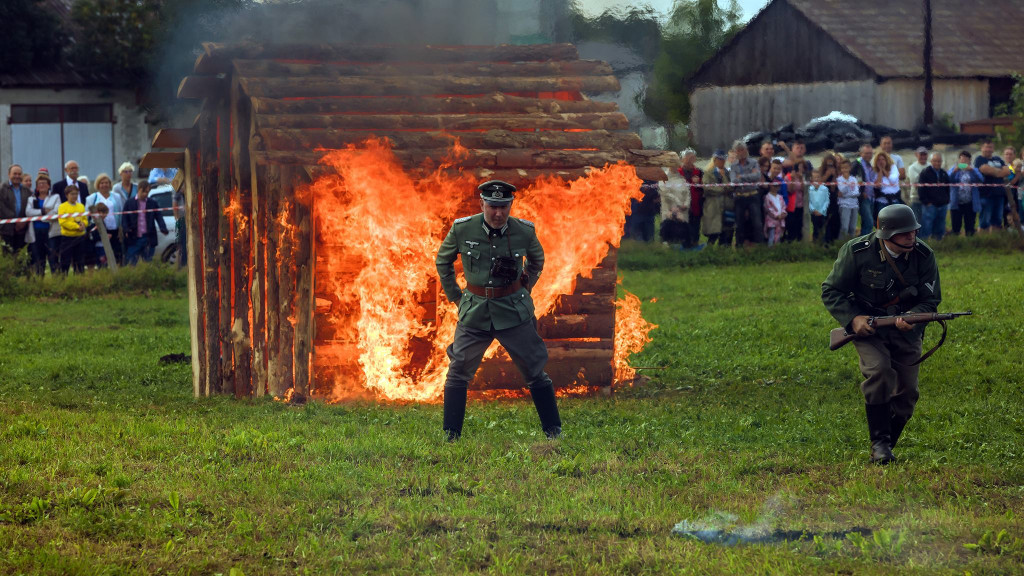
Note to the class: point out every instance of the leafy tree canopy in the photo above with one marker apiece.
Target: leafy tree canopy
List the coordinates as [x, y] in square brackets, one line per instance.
[32, 37]
[696, 31]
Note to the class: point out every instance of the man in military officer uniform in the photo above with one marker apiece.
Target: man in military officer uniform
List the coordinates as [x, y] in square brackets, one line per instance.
[495, 303]
[887, 272]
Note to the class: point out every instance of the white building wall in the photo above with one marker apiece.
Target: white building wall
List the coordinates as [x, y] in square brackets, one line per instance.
[721, 114]
[131, 134]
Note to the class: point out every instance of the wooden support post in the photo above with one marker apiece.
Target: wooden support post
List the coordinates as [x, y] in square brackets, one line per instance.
[194, 244]
[259, 280]
[241, 241]
[285, 263]
[224, 246]
[303, 307]
[210, 253]
[272, 193]
[108, 250]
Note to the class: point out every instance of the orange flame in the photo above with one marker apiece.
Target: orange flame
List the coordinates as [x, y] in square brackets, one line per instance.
[632, 333]
[378, 231]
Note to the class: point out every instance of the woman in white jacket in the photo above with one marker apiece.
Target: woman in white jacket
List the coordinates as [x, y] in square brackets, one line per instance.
[44, 237]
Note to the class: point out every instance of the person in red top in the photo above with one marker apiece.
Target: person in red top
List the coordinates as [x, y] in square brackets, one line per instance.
[695, 176]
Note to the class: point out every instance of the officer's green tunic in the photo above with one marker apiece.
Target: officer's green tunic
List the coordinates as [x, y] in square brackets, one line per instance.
[470, 238]
[862, 283]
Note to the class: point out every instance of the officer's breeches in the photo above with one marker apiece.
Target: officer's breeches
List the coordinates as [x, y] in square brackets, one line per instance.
[885, 362]
[522, 343]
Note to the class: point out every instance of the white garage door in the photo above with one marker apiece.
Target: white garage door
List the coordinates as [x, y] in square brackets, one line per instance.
[50, 135]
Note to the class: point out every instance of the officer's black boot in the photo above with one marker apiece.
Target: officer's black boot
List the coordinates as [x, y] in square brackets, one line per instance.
[879, 428]
[454, 412]
[547, 409]
[896, 425]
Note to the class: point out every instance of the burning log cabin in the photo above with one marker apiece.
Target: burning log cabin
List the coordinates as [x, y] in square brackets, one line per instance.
[307, 162]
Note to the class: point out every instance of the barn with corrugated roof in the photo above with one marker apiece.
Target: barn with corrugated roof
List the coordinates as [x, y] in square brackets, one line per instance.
[799, 59]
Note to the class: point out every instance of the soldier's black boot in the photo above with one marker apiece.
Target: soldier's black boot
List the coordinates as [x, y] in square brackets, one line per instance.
[880, 430]
[454, 412]
[896, 425]
[547, 409]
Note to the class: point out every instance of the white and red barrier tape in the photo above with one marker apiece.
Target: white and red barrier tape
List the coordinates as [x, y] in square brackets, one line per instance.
[859, 184]
[74, 215]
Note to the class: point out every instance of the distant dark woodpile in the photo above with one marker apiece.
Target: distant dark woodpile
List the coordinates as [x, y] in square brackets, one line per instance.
[519, 110]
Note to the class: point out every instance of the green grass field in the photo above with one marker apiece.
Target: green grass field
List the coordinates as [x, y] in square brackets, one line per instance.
[746, 425]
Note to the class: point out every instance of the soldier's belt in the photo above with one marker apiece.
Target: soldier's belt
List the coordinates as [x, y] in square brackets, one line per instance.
[495, 291]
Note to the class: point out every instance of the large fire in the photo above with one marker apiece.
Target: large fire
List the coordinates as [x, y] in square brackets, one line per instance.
[379, 227]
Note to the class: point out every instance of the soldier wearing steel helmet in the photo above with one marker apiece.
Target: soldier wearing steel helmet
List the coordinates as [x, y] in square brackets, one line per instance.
[495, 303]
[888, 272]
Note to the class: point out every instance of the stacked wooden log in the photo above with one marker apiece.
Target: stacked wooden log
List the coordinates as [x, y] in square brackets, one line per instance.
[259, 322]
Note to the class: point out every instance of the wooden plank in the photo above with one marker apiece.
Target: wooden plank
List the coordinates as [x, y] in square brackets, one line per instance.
[584, 304]
[210, 65]
[194, 247]
[516, 176]
[602, 281]
[496, 159]
[225, 274]
[241, 242]
[303, 306]
[297, 139]
[423, 85]
[447, 122]
[286, 273]
[286, 68]
[573, 162]
[259, 281]
[210, 252]
[274, 238]
[392, 53]
[162, 160]
[594, 325]
[493, 103]
[198, 87]
[566, 367]
[172, 137]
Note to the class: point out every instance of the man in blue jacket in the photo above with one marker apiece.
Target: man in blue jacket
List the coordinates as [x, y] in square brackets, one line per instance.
[139, 223]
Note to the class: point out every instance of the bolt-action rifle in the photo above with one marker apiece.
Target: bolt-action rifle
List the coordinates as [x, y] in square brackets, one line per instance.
[839, 337]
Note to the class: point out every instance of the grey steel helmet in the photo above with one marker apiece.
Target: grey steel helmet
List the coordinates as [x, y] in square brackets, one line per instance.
[896, 219]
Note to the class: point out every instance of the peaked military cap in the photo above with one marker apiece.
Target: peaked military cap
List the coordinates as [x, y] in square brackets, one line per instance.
[496, 192]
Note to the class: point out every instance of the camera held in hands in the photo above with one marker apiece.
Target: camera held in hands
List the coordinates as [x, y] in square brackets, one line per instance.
[505, 269]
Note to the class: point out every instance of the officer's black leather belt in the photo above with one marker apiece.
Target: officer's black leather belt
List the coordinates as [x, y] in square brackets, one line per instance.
[495, 291]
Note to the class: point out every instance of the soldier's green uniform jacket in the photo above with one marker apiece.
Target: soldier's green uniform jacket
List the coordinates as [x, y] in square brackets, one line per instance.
[469, 237]
[863, 283]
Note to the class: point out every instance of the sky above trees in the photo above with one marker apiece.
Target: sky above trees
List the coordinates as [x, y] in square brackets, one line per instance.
[595, 7]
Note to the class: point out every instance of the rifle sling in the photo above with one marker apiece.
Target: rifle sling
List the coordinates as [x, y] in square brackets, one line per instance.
[934, 348]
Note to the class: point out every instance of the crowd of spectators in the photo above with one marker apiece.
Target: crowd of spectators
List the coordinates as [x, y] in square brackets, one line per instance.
[123, 212]
[746, 201]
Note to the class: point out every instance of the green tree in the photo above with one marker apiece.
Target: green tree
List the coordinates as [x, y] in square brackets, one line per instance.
[150, 44]
[115, 37]
[32, 37]
[1014, 135]
[696, 31]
